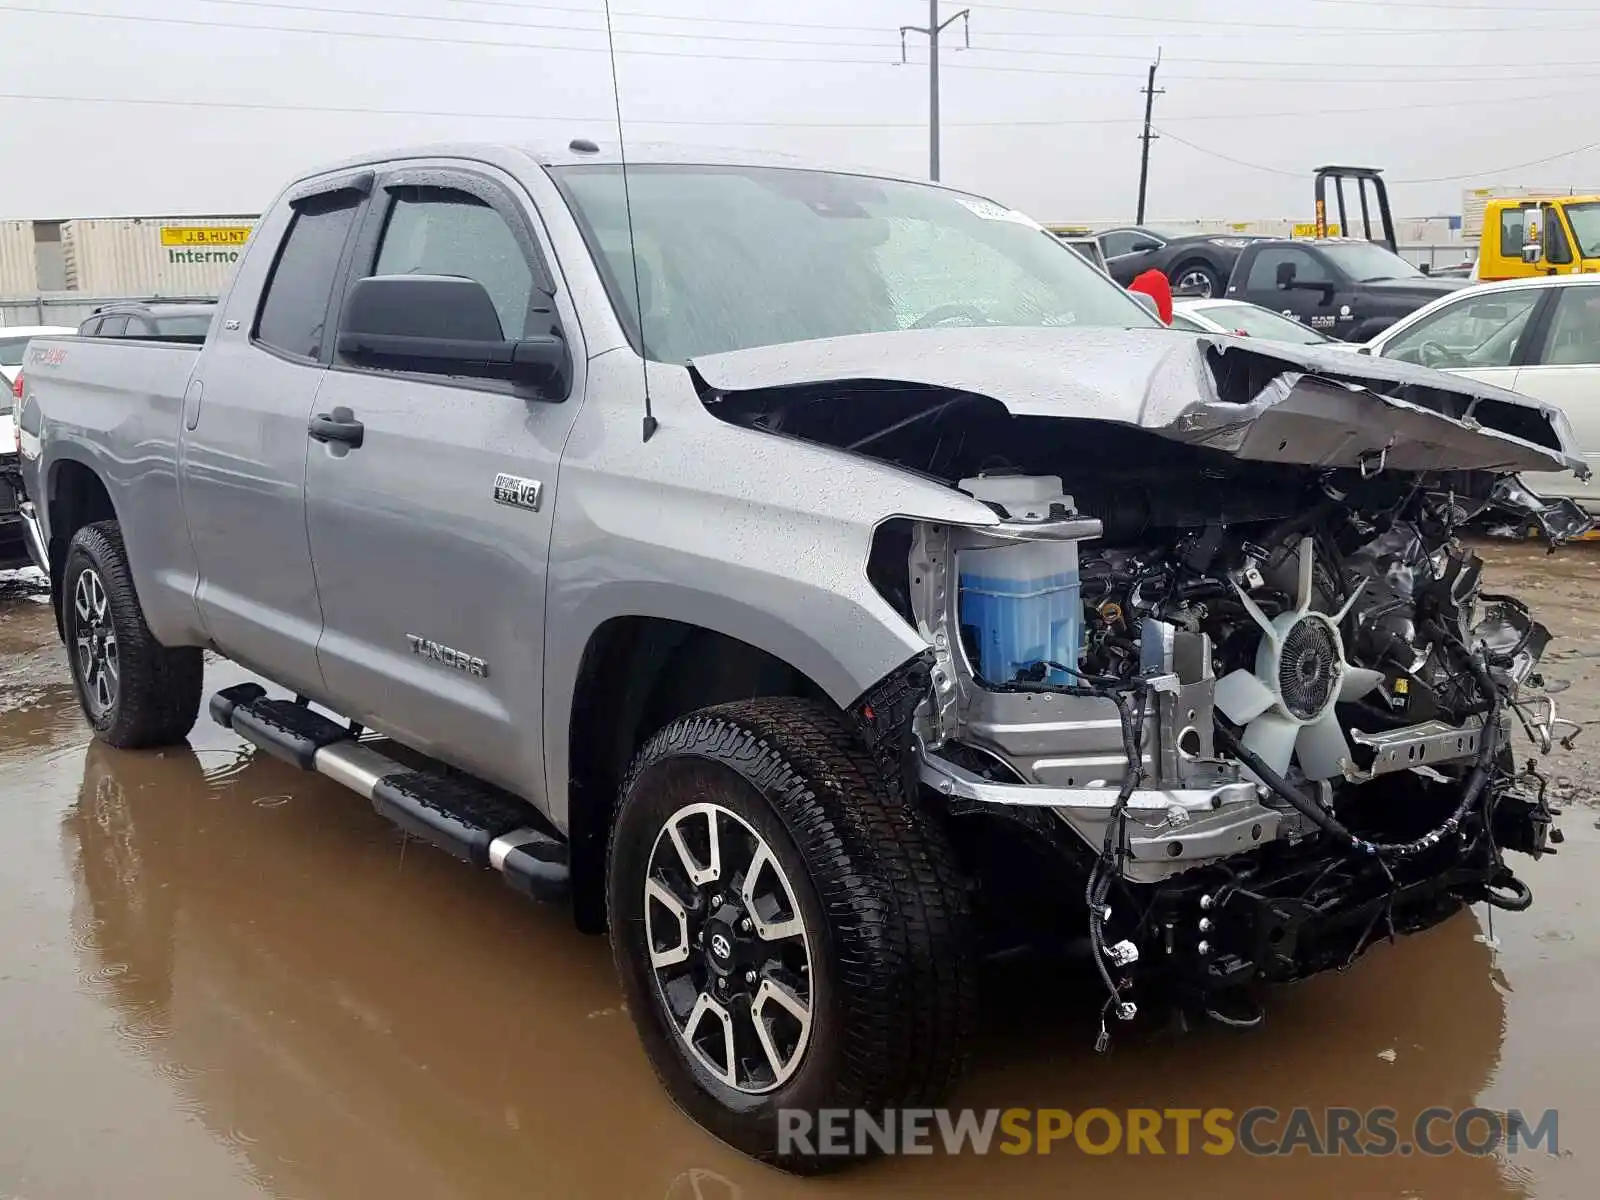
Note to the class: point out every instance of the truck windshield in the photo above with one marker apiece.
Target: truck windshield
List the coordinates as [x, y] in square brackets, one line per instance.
[735, 257]
[1585, 219]
[1367, 262]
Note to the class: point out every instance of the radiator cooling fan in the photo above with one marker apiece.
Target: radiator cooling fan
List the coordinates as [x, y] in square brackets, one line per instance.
[1286, 703]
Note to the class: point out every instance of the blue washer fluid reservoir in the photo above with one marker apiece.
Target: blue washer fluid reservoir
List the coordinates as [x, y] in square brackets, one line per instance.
[1021, 602]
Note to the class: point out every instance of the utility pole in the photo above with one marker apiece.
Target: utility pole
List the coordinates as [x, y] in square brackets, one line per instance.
[933, 29]
[1150, 94]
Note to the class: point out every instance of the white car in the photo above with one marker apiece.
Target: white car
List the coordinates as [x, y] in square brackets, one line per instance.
[14, 341]
[1245, 319]
[1538, 336]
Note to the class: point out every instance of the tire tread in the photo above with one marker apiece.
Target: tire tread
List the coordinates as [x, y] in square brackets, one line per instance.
[159, 687]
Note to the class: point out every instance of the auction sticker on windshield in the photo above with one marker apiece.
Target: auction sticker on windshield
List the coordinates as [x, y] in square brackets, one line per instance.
[990, 211]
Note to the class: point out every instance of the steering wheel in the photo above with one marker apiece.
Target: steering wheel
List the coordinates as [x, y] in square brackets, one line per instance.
[945, 314]
[1432, 354]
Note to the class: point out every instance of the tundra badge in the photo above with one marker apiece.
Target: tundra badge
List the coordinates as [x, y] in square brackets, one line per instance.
[448, 655]
[517, 491]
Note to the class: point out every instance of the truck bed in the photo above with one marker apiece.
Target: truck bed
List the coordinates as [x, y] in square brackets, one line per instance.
[124, 399]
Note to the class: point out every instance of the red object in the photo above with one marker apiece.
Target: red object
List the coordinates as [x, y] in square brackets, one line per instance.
[1155, 285]
[16, 387]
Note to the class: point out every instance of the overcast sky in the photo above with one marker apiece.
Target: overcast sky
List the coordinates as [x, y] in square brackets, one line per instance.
[1043, 111]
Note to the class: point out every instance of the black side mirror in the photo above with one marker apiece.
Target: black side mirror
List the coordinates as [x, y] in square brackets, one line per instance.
[442, 324]
[1286, 274]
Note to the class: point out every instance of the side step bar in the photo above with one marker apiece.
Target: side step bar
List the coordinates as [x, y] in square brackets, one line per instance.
[471, 822]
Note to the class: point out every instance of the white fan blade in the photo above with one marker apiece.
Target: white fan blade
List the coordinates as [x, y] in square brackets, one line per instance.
[1272, 737]
[1321, 748]
[1357, 682]
[1242, 697]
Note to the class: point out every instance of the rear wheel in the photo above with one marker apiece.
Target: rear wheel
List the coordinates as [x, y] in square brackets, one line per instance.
[1197, 278]
[134, 691]
[790, 936]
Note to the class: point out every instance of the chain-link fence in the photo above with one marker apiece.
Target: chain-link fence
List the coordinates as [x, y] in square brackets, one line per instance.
[1445, 254]
[68, 309]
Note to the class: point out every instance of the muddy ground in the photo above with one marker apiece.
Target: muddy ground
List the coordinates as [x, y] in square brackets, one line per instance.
[221, 978]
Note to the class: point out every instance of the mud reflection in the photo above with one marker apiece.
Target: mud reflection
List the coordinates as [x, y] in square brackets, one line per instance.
[353, 1015]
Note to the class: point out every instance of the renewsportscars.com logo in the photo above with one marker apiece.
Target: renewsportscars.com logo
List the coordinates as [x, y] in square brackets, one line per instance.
[1258, 1132]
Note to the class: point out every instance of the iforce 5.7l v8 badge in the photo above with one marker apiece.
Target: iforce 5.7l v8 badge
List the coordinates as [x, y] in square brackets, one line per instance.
[517, 491]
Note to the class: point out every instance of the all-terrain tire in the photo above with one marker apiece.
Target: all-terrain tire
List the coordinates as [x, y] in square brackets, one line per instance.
[156, 696]
[887, 916]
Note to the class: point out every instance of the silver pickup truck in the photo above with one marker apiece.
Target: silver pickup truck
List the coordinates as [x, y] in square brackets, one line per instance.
[821, 580]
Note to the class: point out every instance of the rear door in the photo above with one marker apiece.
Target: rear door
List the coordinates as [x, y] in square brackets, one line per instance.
[1564, 368]
[244, 444]
[431, 575]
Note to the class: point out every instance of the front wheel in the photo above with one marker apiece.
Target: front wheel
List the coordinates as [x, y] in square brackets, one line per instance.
[135, 692]
[790, 936]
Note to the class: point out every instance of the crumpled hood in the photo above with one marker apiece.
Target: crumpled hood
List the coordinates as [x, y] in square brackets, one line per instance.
[1258, 400]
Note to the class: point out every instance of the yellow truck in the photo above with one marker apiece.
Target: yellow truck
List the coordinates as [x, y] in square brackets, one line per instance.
[1526, 236]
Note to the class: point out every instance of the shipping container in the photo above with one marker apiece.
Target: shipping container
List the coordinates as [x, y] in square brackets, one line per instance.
[153, 256]
[19, 264]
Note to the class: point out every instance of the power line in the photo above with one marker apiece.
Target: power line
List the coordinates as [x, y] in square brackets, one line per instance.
[434, 40]
[1036, 11]
[1453, 6]
[1228, 158]
[1005, 123]
[1288, 31]
[1537, 162]
[831, 44]
[1239, 162]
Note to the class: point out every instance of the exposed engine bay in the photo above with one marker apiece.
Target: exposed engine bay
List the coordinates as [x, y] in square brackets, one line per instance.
[1264, 704]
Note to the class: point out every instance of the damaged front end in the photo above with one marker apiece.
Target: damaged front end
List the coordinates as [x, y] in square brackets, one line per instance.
[1222, 652]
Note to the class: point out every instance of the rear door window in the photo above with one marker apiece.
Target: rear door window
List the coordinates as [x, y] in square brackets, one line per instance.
[294, 311]
[1574, 329]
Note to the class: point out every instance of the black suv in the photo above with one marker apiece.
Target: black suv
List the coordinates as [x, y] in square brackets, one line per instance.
[174, 321]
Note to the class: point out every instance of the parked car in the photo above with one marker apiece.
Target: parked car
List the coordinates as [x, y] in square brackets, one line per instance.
[1349, 289]
[819, 580]
[1245, 319]
[1196, 264]
[186, 321]
[1540, 337]
[14, 341]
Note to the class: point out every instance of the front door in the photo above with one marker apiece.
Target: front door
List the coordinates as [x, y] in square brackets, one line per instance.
[431, 537]
[243, 447]
[1308, 300]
